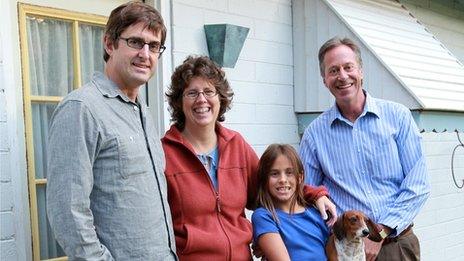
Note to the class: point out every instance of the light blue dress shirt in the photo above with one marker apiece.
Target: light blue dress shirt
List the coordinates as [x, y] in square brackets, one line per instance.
[375, 164]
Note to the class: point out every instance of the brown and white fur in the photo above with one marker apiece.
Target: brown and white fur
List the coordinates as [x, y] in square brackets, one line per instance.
[346, 241]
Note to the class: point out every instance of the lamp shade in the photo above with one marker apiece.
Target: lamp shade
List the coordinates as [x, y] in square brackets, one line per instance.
[225, 41]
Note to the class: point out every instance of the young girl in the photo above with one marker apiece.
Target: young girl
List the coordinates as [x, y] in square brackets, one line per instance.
[285, 227]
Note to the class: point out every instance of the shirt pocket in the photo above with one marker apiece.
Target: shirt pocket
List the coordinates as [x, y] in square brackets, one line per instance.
[134, 158]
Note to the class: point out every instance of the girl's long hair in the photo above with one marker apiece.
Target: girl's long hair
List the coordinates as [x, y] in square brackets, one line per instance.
[265, 164]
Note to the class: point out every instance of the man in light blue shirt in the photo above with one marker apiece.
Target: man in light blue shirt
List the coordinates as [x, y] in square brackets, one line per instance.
[368, 154]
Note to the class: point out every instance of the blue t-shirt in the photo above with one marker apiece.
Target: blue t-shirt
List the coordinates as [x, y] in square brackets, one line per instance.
[304, 234]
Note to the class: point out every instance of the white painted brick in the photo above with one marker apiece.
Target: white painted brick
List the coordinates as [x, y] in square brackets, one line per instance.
[6, 193]
[187, 16]
[260, 134]
[455, 215]
[272, 31]
[275, 114]
[212, 17]
[5, 172]
[439, 175]
[268, 52]
[220, 5]
[4, 143]
[245, 92]
[241, 113]
[8, 250]
[262, 93]
[455, 252]
[6, 225]
[272, 73]
[190, 40]
[266, 10]
[276, 94]
[243, 71]
[425, 219]
[439, 162]
[438, 148]
[3, 116]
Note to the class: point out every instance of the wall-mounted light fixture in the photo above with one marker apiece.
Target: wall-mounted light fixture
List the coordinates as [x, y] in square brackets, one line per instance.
[225, 41]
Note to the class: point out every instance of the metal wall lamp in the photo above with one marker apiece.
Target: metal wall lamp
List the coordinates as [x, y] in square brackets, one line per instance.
[225, 41]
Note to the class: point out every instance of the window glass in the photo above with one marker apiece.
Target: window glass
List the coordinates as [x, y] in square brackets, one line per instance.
[41, 115]
[91, 50]
[49, 248]
[50, 56]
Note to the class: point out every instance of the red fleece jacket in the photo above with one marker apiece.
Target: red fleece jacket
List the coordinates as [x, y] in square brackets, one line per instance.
[210, 224]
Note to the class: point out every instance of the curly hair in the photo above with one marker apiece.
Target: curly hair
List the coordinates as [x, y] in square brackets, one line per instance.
[203, 67]
[129, 14]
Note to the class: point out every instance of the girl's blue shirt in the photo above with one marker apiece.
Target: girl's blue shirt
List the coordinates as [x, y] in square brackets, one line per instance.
[304, 234]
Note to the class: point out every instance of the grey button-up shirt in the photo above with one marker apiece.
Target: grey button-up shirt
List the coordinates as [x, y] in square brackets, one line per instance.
[106, 190]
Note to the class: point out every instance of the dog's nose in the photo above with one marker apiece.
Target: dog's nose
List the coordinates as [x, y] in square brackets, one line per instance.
[365, 232]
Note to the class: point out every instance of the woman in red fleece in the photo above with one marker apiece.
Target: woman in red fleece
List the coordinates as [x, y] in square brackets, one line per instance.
[210, 170]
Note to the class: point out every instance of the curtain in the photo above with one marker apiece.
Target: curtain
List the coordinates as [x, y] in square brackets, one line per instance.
[91, 50]
[51, 66]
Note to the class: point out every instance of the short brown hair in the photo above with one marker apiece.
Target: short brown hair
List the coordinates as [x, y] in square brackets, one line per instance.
[203, 67]
[131, 13]
[264, 168]
[335, 42]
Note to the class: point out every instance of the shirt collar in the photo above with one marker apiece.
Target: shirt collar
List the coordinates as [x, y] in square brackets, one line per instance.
[370, 107]
[108, 88]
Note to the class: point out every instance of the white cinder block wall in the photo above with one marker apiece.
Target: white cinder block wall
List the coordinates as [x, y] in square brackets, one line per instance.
[15, 232]
[262, 109]
[440, 224]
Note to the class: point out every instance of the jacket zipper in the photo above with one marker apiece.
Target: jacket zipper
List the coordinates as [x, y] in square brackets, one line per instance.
[218, 202]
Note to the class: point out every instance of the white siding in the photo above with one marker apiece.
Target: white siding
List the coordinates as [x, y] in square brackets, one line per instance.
[445, 23]
[440, 224]
[262, 79]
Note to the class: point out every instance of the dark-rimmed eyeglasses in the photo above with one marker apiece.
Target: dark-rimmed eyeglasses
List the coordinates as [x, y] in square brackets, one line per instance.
[139, 43]
[193, 94]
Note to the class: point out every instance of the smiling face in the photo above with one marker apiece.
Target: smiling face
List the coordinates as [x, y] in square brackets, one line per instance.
[282, 182]
[343, 76]
[128, 67]
[202, 111]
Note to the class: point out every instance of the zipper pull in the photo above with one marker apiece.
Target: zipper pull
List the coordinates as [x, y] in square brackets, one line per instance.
[218, 202]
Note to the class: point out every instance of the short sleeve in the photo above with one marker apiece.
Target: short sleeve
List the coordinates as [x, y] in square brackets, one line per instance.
[263, 223]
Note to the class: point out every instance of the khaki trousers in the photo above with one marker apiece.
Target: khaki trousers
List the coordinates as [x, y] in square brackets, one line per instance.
[405, 248]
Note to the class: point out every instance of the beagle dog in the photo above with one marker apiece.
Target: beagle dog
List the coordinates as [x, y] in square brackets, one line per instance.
[346, 241]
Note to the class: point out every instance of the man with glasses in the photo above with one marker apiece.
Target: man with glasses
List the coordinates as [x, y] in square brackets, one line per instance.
[368, 154]
[106, 191]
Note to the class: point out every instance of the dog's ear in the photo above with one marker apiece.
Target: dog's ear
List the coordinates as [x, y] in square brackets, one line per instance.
[338, 228]
[373, 230]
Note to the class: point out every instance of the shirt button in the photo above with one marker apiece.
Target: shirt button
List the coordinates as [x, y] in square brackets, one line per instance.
[136, 108]
[131, 138]
[359, 150]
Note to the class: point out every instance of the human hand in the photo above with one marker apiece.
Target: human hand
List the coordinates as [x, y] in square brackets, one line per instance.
[372, 249]
[257, 251]
[325, 205]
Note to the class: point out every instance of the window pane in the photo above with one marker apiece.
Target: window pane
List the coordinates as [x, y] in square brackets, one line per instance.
[49, 248]
[50, 56]
[91, 49]
[41, 114]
